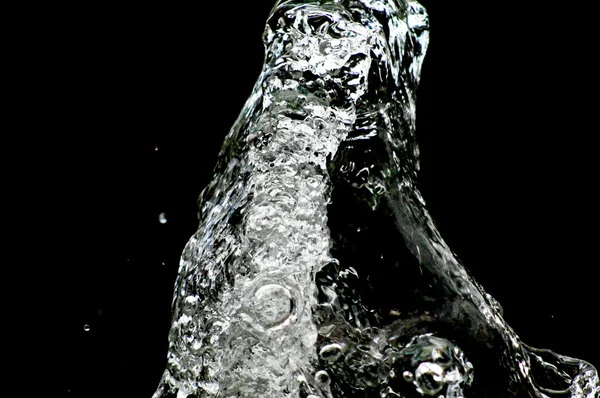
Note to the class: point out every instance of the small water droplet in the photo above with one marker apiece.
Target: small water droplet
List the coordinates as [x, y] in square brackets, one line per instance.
[408, 376]
[86, 327]
[162, 218]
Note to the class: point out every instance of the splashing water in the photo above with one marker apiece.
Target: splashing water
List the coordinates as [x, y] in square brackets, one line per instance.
[317, 270]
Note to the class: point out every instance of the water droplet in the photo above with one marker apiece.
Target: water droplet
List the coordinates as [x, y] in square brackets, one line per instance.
[331, 352]
[162, 218]
[408, 376]
[86, 327]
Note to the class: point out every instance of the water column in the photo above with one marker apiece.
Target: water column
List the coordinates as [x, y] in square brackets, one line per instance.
[317, 270]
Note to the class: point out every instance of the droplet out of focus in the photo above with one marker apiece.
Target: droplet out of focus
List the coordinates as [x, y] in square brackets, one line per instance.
[162, 218]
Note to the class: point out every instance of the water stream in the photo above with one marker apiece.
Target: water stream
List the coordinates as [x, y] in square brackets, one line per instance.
[317, 270]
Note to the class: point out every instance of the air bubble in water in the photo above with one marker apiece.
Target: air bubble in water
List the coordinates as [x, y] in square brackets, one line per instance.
[86, 327]
[331, 352]
[322, 378]
[273, 305]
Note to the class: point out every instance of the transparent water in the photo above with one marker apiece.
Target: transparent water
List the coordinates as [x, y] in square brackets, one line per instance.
[317, 270]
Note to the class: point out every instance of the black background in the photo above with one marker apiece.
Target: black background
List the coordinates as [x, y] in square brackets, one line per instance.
[136, 103]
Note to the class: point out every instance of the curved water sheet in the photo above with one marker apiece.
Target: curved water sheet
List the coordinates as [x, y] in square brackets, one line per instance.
[285, 290]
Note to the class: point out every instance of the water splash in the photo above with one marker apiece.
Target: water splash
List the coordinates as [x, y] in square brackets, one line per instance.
[317, 270]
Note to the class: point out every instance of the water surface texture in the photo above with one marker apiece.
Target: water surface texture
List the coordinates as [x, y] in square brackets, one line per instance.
[317, 270]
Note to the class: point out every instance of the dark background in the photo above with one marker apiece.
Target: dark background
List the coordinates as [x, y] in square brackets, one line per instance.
[136, 103]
